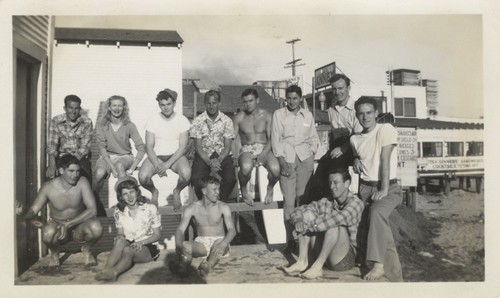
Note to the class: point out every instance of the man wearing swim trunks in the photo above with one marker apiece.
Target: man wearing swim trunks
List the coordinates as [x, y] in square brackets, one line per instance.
[252, 127]
[72, 211]
[210, 215]
[166, 143]
[330, 222]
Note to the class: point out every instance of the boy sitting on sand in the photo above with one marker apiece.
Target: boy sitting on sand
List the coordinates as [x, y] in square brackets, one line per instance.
[209, 215]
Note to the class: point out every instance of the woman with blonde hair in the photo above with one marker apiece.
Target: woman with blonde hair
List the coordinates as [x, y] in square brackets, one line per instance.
[113, 135]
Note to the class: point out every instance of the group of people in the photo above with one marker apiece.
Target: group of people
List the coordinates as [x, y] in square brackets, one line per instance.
[284, 142]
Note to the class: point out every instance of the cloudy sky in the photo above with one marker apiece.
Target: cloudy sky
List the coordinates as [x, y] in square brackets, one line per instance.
[244, 49]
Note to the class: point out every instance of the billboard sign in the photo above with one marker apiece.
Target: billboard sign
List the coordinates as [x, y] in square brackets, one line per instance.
[323, 74]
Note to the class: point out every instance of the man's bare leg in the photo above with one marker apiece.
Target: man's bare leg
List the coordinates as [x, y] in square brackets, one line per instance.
[183, 170]
[246, 165]
[376, 272]
[206, 266]
[270, 188]
[334, 248]
[146, 172]
[273, 175]
[302, 260]
[87, 254]
[54, 256]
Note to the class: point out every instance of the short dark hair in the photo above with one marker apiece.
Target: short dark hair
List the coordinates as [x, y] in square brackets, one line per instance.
[213, 93]
[66, 160]
[208, 180]
[342, 171]
[250, 91]
[294, 88]
[365, 100]
[166, 94]
[340, 76]
[128, 184]
[72, 98]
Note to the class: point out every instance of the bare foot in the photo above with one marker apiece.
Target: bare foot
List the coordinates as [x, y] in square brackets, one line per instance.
[54, 260]
[295, 268]
[269, 195]
[154, 197]
[177, 200]
[312, 273]
[107, 275]
[376, 272]
[88, 257]
[203, 269]
[246, 196]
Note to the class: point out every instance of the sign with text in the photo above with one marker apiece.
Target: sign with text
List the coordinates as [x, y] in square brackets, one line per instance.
[407, 156]
[451, 163]
[323, 74]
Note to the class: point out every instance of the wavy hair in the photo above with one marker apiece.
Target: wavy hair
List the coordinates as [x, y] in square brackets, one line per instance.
[128, 185]
[106, 119]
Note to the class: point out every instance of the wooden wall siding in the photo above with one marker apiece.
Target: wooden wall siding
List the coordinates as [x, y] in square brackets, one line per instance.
[33, 28]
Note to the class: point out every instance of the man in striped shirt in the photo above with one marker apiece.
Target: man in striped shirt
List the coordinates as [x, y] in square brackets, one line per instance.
[330, 225]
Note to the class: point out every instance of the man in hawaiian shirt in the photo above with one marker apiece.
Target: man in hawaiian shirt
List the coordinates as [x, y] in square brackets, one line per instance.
[213, 133]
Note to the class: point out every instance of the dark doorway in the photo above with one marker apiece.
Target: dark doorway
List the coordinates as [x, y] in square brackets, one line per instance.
[25, 154]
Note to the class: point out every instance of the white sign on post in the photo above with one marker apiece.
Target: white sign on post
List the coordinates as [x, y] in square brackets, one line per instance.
[407, 156]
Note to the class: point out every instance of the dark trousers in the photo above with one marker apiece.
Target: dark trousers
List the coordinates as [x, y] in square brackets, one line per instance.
[200, 169]
[320, 186]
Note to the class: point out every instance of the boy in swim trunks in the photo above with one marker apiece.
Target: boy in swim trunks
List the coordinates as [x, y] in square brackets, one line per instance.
[210, 215]
[253, 127]
[72, 210]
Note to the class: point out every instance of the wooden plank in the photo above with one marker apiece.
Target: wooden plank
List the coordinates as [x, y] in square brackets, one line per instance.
[235, 207]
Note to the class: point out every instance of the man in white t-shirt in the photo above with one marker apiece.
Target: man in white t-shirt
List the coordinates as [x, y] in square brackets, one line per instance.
[166, 143]
[376, 163]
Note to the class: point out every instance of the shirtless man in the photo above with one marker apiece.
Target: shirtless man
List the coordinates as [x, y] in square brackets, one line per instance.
[209, 215]
[253, 126]
[72, 211]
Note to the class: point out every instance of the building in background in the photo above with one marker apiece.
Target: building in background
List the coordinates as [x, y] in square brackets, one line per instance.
[31, 60]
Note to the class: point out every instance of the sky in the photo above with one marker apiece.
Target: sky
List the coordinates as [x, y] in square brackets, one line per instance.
[246, 48]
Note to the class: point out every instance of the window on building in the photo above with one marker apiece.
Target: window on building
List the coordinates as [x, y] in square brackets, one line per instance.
[474, 149]
[432, 149]
[455, 149]
[405, 107]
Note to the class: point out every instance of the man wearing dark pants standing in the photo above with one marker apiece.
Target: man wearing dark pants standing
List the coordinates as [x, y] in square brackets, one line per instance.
[294, 142]
[376, 162]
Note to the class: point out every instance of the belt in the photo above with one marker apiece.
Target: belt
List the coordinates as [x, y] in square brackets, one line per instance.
[377, 183]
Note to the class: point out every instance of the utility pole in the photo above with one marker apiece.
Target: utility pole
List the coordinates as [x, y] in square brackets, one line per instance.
[390, 81]
[294, 61]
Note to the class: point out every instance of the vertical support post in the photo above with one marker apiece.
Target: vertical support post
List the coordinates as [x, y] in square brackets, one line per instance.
[461, 182]
[479, 184]
[447, 185]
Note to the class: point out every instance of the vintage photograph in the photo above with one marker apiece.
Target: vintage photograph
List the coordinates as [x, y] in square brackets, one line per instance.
[253, 149]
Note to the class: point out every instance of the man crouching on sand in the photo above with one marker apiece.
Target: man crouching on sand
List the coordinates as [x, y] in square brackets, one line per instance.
[209, 215]
[72, 211]
[329, 228]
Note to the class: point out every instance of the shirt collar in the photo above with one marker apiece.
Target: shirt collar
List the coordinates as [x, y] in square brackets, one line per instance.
[63, 119]
[301, 111]
[206, 117]
[349, 105]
